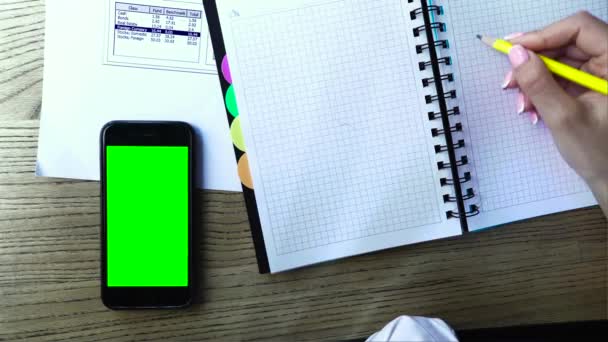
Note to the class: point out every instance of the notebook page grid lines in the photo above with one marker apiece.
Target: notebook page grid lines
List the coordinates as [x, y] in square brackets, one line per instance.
[341, 150]
[516, 163]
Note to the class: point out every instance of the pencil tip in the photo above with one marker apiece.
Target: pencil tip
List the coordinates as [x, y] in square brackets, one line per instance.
[479, 36]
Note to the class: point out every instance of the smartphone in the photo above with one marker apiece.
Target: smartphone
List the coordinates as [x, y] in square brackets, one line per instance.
[146, 211]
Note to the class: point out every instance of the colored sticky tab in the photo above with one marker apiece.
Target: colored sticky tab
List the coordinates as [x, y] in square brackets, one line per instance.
[237, 134]
[226, 70]
[244, 172]
[231, 102]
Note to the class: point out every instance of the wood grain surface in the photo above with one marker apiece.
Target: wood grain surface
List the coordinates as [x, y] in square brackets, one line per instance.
[551, 269]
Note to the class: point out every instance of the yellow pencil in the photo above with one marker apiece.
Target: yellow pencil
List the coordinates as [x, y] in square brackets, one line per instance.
[565, 71]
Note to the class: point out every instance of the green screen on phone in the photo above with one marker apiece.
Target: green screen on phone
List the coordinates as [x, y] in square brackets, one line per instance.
[147, 216]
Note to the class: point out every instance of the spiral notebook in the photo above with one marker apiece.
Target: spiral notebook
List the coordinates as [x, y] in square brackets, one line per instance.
[364, 125]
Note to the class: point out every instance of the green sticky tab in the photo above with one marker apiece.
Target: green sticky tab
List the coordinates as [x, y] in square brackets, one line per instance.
[233, 109]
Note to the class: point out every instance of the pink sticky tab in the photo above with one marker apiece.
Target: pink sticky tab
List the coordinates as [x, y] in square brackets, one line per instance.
[226, 70]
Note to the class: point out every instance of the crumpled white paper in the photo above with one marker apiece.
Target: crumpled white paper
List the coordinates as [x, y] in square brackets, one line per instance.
[415, 329]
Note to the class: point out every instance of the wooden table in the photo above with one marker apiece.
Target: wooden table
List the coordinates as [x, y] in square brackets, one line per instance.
[551, 269]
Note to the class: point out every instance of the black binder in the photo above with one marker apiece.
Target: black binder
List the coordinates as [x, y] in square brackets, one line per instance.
[449, 125]
[448, 159]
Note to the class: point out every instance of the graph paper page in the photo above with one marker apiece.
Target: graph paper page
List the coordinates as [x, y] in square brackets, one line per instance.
[519, 172]
[341, 159]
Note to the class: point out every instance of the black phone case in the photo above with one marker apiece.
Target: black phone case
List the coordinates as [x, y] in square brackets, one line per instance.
[138, 295]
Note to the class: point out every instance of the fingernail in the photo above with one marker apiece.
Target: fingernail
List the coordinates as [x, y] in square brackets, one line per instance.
[507, 80]
[513, 35]
[518, 55]
[534, 118]
[521, 103]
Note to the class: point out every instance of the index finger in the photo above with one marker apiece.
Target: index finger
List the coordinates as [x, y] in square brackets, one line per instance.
[583, 30]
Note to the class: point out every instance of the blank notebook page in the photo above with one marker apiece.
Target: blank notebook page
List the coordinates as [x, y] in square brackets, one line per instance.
[334, 126]
[519, 171]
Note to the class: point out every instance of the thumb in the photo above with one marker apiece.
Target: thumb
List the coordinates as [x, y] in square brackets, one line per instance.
[534, 79]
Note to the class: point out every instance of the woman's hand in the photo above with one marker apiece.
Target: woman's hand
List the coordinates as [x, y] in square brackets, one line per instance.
[577, 117]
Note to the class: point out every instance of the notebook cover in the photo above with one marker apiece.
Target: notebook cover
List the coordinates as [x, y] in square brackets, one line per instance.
[240, 150]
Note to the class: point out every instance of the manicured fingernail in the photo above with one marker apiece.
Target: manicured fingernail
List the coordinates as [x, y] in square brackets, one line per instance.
[513, 35]
[521, 103]
[518, 55]
[534, 117]
[507, 80]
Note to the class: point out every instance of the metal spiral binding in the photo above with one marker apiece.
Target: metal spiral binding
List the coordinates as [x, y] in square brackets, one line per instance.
[451, 146]
[427, 81]
[439, 26]
[464, 160]
[444, 60]
[437, 132]
[414, 13]
[432, 98]
[465, 179]
[437, 43]
[470, 195]
[473, 211]
[445, 148]
[451, 112]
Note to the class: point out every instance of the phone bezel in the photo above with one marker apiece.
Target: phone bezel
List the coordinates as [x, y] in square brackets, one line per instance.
[146, 133]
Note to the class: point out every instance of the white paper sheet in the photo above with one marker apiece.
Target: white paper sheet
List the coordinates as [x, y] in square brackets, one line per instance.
[90, 79]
